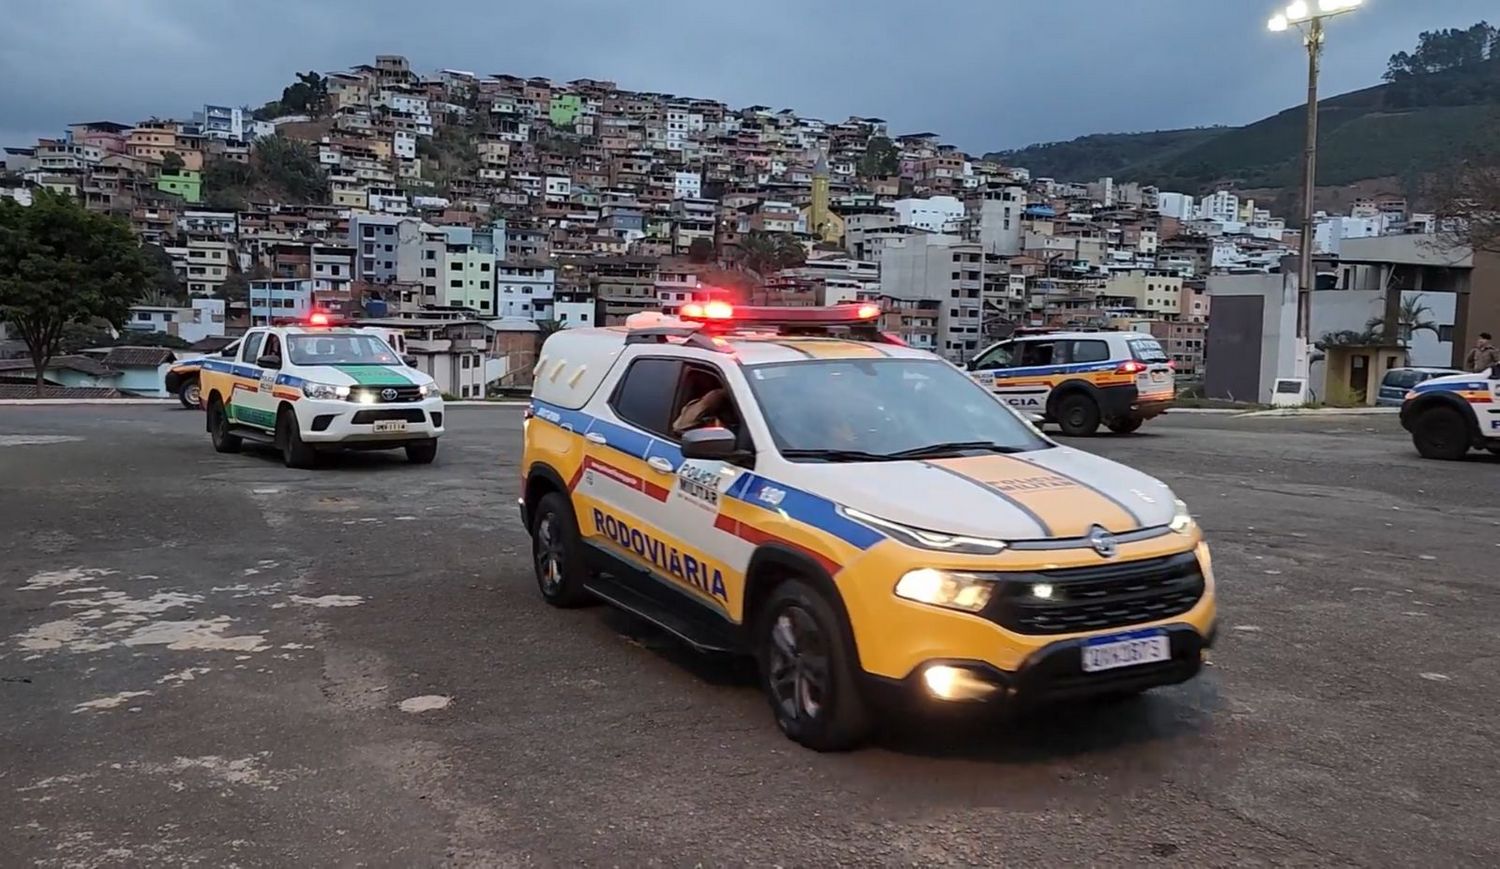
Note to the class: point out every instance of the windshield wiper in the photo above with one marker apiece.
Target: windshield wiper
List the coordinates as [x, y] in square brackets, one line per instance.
[936, 450]
[838, 455]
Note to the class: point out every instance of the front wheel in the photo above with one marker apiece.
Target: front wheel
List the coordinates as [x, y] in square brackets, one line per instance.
[188, 394]
[295, 453]
[808, 670]
[1078, 415]
[1124, 426]
[218, 429]
[1440, 433]
[422, 452]
[557, 553]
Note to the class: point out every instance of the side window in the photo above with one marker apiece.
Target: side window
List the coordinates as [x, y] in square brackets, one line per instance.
[252, 347]
[1090, 351]
[1037, 353]
[998, 356]
[646, 393]
[703, 401]
[273, 346]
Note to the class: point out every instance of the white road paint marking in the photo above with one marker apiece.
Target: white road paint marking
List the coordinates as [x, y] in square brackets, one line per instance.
[182, 676]
[68, 576]
[405, 518]
[197, 635]
[425, 703]
[328, 600]
[35, 440]
[1435, 677]
[1248, 629]
[113, 701]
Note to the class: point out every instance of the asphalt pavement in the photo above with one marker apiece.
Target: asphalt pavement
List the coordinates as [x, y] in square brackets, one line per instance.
[212, 659]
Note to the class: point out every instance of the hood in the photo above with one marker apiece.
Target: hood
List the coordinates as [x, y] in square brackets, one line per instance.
[1472, 380]
[1056, 492]
[364, 375]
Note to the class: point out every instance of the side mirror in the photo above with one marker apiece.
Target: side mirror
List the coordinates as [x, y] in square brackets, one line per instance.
[411, 361]
[266, 360]
[1036, 419]
[713, 443]
[972, 365]
[229, 352]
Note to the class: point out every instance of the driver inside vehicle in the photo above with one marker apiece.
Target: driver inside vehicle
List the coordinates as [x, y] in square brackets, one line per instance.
[707, 405]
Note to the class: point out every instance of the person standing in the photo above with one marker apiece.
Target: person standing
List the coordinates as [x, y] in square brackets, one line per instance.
[1484, 356]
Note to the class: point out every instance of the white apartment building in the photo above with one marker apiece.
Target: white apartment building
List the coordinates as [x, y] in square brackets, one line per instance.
[998, 214]
[933, 214]
[1178, 205]
[948, 271]
[687, 185]
[525, 290]
[1222, 206]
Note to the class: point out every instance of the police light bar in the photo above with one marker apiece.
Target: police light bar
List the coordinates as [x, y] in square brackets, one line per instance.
[717, 311]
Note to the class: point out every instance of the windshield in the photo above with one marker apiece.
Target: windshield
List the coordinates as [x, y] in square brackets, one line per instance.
[338, 349]
[880, 407]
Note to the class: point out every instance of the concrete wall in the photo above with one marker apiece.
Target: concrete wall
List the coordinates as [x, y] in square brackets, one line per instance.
[1232, 334]
[1232, 354]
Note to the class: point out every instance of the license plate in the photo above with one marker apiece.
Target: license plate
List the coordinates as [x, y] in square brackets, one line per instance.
[1159, 376]
[384, 425]
[1125, 650]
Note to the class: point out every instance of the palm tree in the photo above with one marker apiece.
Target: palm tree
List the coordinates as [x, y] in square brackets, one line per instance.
[1413, 317]
[767, 252]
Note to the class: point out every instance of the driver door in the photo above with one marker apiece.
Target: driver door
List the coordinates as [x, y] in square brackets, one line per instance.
[256, 406]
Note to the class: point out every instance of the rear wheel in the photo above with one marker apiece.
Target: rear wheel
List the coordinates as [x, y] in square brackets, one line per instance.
[808, 671]
[218, 428]
[1078, 415]
[557, 554]
[188, 394]
[422, 452]
[1441, 433]
[295, 453]
[1125, 426]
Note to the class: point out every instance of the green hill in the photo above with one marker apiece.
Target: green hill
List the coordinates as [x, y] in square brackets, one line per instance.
[1404, 127]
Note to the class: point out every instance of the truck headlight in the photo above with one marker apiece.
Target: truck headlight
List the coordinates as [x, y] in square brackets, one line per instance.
[430, 390]
[922, 538]
[324, 391]
[953, 589]
[1182, 520]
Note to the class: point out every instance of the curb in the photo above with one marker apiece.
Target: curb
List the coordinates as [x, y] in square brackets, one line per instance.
[1326, 411]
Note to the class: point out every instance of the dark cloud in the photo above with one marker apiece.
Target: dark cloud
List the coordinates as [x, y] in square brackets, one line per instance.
[984, 73]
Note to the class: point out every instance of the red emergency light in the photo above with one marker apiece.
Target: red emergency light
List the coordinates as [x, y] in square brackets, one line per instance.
[717, 311]
[318, 318]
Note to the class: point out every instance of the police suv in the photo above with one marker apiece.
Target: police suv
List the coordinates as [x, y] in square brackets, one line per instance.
[1448, 416]
[864, 519]
[314, 387]
[1081, 379]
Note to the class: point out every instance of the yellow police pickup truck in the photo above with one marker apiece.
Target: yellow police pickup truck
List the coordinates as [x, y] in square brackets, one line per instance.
[861, 517]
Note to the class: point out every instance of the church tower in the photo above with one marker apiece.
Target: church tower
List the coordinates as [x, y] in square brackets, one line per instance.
[818, 222]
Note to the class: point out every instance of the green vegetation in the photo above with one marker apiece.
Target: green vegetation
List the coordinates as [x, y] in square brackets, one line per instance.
[280, 169]
[172, 163]
[701, 250]
[767, 252]
[1436, 102]
[61, 264]
[882, 158]
[308, 95]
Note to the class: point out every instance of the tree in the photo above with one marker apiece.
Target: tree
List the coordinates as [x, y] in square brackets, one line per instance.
[61, 264]
[701, 250]
[1466, 198]
[163, 273]
[234, 289]
[172, 164]
[292, 166]
[882, 158]
[767, 252]
[1413, 316]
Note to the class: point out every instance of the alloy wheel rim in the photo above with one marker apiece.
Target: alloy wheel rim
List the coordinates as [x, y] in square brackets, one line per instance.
[194, 396]
[548, 555]
[798, 665]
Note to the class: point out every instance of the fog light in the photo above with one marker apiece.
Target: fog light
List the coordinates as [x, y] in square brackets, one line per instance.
[955, 683]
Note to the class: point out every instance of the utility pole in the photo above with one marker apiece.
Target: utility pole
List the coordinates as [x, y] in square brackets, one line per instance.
[1307, 275]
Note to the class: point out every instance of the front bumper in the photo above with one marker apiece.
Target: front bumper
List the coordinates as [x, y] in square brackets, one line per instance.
[1053, 674]
[336, 422]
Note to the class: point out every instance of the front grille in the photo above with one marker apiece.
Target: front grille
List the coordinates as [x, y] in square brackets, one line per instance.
[365, 417]
[376, 394]
[1095, 598]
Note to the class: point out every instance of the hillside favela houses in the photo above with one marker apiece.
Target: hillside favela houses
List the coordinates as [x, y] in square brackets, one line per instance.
[479, 212]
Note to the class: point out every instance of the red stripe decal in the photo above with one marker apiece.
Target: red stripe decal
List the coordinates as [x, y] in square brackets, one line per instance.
[751, 534]
[660, 493]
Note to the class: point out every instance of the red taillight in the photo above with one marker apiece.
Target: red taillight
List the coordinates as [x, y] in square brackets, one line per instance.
[1171, 364]
[1131, 367]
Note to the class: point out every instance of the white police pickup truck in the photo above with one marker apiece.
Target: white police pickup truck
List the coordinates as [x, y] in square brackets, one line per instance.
[1448, 416]
[306, 389]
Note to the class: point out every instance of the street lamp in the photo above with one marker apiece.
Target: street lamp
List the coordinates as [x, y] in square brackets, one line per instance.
[1308, 17]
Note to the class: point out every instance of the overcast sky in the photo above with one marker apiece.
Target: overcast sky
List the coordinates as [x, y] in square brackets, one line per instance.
[986, 74]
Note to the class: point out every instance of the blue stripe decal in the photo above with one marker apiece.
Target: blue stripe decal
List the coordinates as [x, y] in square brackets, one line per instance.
[1451, 387]
[752, 489]
[1071, 368]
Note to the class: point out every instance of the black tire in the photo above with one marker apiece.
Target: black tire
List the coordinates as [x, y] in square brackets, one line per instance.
[295, 453]
[808, 670]
[1441, 432]
[557, 554]
[218, 428]
[422, 452]
[1125, 426]
[1077, 415]
[187, 393]
[1495, 450]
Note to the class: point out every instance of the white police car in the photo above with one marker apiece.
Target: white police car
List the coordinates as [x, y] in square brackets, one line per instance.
[1448, 416]
[309, 388]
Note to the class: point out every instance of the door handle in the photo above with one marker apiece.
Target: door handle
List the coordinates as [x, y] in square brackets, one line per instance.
[660, 464]
[595, 438]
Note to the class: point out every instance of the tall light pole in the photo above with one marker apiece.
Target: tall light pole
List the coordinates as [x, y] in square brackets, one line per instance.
[1308, 17]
